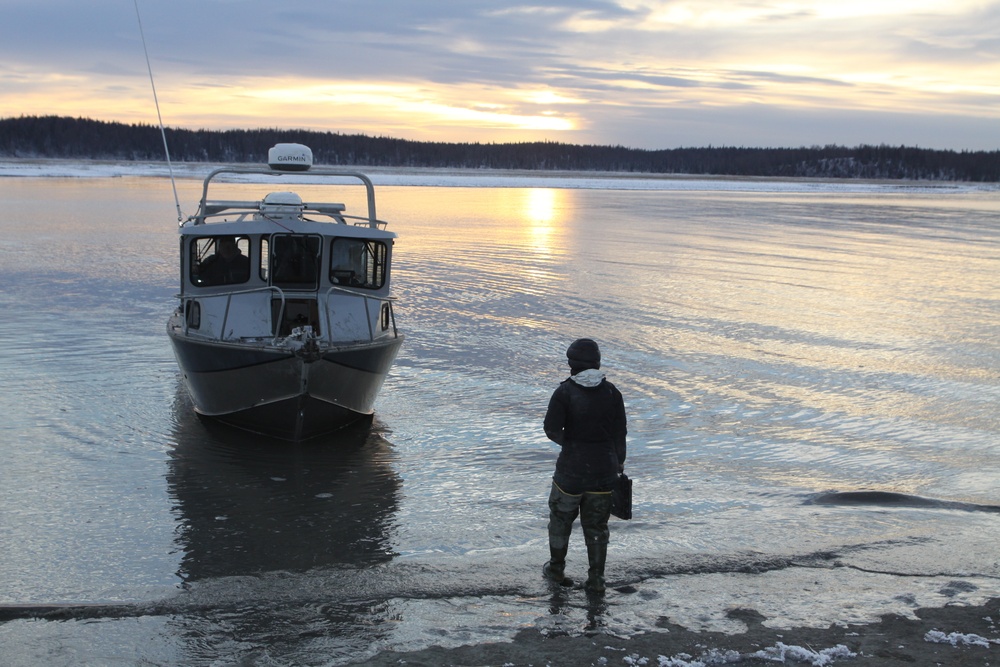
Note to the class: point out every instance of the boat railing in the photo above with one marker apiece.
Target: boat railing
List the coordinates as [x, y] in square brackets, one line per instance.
[208, 208]
[241, 211]
[367, 299]
[185, 298]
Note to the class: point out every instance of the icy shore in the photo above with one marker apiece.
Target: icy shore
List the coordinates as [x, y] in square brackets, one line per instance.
[494, 178]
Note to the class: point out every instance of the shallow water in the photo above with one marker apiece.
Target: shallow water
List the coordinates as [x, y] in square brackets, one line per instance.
[778, 350]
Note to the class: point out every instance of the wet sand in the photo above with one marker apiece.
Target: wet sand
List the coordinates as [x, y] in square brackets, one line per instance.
[956, 636]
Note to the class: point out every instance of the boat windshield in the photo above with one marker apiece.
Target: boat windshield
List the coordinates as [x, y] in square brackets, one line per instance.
[358, 263]
[219, 260]
[294, 261]
[288, 261]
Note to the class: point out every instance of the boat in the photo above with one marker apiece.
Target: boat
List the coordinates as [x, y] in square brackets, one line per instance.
[285, 323]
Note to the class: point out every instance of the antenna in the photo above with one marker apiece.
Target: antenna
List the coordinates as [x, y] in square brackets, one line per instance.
[163, 131]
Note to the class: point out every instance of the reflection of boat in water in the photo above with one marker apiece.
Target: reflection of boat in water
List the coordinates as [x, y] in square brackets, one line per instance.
[246, 507]
[285, 325]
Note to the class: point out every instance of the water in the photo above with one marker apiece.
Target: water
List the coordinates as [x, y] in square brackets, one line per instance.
[776, 346]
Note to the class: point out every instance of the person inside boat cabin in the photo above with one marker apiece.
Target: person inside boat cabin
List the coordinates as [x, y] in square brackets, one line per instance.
[227, 266]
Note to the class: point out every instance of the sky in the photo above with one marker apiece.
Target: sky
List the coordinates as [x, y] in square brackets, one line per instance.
[649, 74]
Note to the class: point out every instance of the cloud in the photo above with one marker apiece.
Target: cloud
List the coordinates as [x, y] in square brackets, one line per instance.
[567, 70]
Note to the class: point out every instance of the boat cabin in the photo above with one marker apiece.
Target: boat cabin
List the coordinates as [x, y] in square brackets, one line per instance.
[277, 266]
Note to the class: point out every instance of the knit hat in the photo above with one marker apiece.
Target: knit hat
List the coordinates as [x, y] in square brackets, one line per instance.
[582, 354]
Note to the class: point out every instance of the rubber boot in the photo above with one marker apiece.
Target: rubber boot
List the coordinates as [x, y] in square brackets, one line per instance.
[555, 568]
[563, 510]
[597, 555]
[595, 509]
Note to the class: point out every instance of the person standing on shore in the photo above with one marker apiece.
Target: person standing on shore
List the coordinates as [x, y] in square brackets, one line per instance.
[586, 418]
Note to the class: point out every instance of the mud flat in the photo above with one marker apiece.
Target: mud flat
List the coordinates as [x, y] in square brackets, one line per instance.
[948, 636]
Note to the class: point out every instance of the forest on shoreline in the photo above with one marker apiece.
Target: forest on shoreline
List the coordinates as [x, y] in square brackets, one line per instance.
[84, 138]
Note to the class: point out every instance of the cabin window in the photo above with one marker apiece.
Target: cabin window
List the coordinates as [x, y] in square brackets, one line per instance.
[294, 261]
[386, 317]
[192, 311]
[358, 263]
[264, 259]
[219, 260]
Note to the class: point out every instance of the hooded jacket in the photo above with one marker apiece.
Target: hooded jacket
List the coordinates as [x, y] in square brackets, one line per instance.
[586, 417]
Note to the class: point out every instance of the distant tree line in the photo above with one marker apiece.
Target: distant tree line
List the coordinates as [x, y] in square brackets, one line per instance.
[63, 137]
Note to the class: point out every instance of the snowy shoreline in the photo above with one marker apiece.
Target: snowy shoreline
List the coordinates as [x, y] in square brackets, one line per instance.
[497, 178]
[951, 636]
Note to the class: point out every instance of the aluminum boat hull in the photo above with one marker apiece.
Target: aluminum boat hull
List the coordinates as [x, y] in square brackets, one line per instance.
[276, 392]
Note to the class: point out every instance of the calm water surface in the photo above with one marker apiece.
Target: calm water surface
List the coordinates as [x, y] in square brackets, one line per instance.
[777, 350]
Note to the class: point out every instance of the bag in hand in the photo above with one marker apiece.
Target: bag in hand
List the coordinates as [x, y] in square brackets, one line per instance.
[621, 498]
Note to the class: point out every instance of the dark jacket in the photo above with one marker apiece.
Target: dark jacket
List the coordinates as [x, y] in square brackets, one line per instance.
[589, 423]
